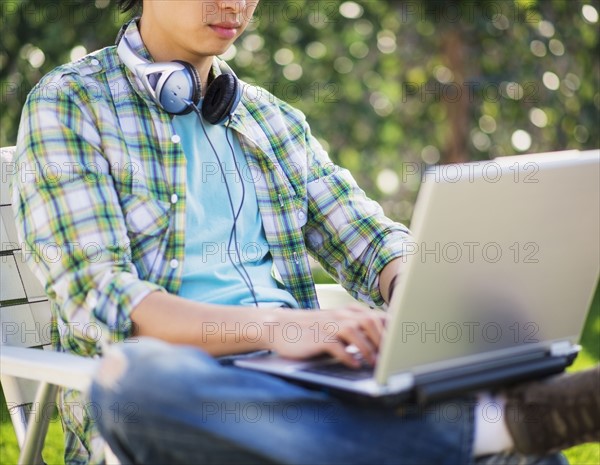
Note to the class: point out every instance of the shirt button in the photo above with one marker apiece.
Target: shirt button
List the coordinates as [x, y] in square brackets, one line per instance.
[174, 198]
[174, 263]
[301, 216]
[175, 139]
[94, 62]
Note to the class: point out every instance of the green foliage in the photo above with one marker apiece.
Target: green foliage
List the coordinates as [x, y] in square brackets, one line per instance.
[385, 84]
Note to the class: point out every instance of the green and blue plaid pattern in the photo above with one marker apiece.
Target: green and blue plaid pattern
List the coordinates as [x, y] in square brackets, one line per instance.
[99, 199]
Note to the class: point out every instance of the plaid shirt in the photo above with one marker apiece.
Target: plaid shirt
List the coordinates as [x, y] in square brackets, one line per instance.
[99, 198]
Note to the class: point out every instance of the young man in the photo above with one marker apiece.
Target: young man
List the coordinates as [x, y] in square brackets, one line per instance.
[155, 213]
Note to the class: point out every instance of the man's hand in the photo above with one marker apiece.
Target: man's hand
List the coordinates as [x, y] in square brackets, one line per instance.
[328, 331]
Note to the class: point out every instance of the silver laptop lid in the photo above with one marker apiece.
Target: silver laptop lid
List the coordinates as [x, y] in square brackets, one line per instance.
[506, 254]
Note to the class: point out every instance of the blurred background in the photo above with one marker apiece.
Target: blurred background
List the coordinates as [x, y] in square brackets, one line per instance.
[388, 87]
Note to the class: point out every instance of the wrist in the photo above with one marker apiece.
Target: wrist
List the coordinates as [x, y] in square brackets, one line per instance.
[392, 287]
[271, 322]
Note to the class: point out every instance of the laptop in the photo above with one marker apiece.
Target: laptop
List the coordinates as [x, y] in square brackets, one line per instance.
[494, 289]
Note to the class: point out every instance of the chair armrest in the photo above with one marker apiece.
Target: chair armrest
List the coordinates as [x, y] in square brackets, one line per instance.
[333, 295]
[56, 368]
[75, 372]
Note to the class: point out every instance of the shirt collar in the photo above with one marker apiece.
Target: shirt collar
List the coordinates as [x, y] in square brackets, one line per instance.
[134, 38]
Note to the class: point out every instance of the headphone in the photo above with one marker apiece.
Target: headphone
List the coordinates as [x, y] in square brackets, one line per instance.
[175, 86]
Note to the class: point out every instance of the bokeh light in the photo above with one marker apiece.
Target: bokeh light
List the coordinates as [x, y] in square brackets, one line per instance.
[351, 10]
[430, 154]
[538, 48]
[78, 52]
[521, 140]
[316, 50]
[538, 117]
[388, 181]
[546, 28]
[590, 14]
[551, 80]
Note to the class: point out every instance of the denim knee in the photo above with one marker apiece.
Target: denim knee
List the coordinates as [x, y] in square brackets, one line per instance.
[135, 372]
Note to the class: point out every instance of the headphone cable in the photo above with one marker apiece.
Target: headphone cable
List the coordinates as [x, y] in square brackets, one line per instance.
[233, 235]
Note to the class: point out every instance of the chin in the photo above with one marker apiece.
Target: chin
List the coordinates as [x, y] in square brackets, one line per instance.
[210, 47]
[216, 51]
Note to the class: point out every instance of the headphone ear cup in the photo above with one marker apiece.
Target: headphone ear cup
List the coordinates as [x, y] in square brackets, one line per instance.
[221, 99]
[194, 92]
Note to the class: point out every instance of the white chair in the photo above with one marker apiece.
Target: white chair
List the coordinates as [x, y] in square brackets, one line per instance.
[30, 371]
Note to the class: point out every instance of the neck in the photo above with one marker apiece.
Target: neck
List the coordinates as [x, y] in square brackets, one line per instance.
[162, 50]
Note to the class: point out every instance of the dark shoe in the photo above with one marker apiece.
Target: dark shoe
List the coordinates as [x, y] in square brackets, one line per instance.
[556, 413]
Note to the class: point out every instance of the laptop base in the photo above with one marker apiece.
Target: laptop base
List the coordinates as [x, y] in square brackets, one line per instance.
[456, 382]
[442, 385]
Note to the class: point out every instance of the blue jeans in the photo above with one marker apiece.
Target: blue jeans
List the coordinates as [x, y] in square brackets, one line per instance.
[177, 405]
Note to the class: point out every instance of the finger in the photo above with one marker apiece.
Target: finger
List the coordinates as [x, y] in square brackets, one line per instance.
[373, 328]
[380, 320]
[358, 308]
[354, 335]
[338, 350]
[369, 321]
[372, 325]
[384, 317]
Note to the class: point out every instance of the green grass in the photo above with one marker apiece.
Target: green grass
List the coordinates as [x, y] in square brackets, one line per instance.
[9, 450]
[587, 454]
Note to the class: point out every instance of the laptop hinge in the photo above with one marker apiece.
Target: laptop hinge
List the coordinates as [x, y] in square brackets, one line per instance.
[563, 348]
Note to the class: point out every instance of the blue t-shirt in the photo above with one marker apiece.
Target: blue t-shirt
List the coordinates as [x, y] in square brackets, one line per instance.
[208, 273]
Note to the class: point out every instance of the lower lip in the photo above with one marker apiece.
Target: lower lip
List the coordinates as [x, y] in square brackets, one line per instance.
[224, 32]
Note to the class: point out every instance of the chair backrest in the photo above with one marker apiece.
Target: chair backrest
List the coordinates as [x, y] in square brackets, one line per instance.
[24, 307]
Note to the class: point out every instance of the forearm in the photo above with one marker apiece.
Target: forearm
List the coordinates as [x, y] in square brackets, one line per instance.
[217, 329]
[225, 330]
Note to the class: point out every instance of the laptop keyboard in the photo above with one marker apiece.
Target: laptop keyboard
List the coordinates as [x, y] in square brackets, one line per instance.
[339, 370]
